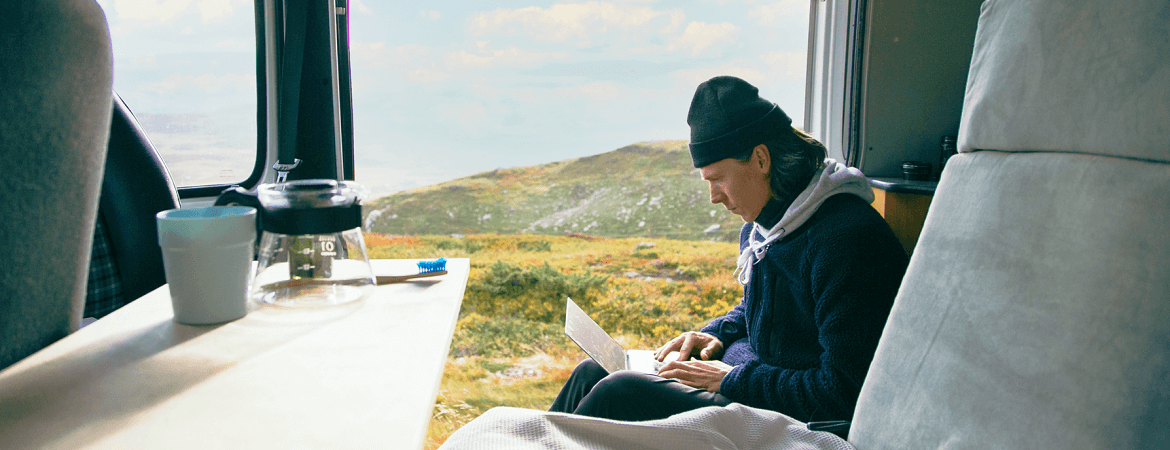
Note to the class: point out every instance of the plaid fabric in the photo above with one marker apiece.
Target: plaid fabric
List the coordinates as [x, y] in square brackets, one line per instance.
[103, 289]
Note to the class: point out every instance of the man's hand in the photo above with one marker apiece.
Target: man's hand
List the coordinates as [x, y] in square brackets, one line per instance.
[703, 345]
[697, 374]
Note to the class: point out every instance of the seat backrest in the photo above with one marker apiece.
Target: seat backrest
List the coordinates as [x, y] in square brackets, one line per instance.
[1035, 312]
[135, 187]
[55, 89]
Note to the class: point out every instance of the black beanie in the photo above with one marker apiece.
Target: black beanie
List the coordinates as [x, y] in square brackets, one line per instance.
[728, 119]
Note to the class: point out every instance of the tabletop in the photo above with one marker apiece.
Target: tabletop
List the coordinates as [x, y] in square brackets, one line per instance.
[363, 376]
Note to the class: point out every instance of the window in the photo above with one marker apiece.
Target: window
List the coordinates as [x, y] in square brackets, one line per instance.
[187, 69]
[447, 90]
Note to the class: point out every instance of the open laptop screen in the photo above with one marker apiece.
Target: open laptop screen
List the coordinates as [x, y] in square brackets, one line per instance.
[592, 339]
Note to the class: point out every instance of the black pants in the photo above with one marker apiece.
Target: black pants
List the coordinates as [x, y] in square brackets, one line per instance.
[629, 395]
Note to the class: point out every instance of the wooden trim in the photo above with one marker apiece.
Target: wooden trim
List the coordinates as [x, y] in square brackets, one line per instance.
[904, 212]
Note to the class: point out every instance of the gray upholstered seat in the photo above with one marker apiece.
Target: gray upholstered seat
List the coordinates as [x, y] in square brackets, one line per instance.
[54, 121]
[1036, 310]
[126, 261]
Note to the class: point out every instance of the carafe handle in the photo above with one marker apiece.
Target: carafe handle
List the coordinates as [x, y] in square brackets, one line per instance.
[238, 195]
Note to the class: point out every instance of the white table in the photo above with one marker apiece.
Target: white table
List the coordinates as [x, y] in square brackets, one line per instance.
[361, 378]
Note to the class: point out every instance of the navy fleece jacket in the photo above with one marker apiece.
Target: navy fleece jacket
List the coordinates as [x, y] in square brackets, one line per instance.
[806, 330]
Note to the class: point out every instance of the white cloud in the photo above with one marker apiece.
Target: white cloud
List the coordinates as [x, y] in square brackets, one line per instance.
[583, 24]
[689, 79]
[144, 62]
[774, 13]
[239, 45]
[510, 57]
[433, 15]
[166, 11]
[381, 64]
[787, 65]
[203, 84]
[210, 10]
[470, 60]
[701, 38]
[361, 7]
[152, 10]
[587, 104]
[422, 64]
[471, 116]
[377, 56]
[430, 75]
[601, 91]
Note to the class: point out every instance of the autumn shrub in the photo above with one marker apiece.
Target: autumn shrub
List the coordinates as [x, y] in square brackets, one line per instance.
[715, 296]
[639, 309]
[532, 293]
[445, 243]
[534, 246]
[504, 337]
[375, 240]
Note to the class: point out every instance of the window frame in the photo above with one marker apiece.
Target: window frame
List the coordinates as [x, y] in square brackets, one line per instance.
[835, 74]
[323, 137]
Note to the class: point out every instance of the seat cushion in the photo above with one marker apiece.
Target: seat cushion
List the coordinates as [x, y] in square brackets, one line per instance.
[1084, 76]
[1035, 312]
[56, 72]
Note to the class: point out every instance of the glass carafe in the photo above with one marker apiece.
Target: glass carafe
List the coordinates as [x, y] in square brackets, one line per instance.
[311, 251]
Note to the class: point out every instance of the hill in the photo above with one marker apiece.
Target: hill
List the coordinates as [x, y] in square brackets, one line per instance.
[648, 189]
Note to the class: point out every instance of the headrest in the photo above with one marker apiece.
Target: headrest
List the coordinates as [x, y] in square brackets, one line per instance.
[1084, 76]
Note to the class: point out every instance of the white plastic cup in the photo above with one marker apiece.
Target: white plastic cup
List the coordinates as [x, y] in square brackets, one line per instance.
[207, 255]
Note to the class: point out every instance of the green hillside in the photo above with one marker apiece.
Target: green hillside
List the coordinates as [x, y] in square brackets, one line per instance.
[647, 189]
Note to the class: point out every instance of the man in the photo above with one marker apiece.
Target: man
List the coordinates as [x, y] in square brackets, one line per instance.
[820, 270]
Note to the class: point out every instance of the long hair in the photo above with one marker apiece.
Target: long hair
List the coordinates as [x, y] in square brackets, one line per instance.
[796, 158]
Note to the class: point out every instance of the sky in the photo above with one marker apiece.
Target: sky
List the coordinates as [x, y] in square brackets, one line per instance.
[448, 89]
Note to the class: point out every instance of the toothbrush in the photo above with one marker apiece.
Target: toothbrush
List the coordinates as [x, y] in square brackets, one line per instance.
[425, 269]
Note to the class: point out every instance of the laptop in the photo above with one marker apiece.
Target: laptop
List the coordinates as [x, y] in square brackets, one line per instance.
[588, 335]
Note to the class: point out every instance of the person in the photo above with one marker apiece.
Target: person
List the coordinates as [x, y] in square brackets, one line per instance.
[819, 266]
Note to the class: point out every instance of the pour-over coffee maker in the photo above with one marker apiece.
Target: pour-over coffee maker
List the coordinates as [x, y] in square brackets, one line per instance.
[311, 251]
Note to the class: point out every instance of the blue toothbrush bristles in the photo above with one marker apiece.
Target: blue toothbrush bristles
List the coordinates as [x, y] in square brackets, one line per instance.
[432, 266]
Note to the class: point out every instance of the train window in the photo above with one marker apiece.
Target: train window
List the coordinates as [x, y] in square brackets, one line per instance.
[445, 90]
[188, 72]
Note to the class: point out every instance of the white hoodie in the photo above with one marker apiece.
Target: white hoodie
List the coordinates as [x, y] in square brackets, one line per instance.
[837, 178]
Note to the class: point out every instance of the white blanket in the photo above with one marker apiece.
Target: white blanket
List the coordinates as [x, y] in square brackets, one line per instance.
[731, 428]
